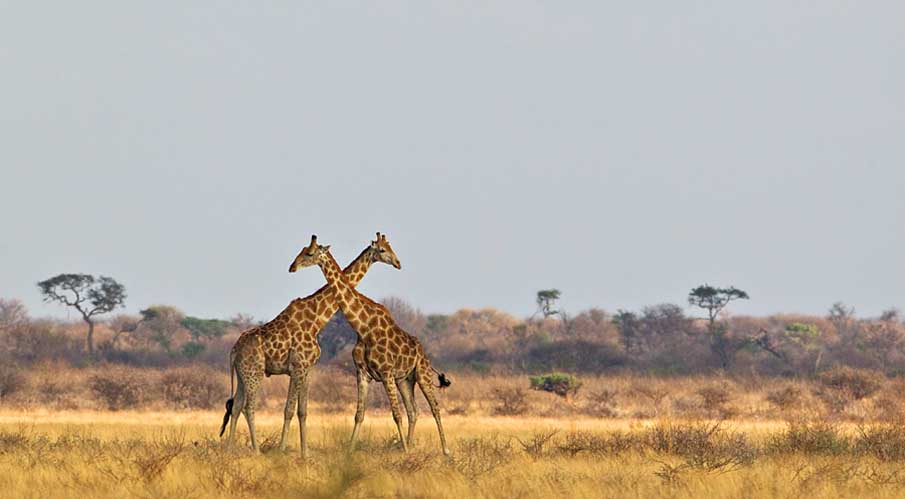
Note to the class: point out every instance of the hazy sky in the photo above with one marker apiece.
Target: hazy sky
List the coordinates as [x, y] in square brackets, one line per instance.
[622, 152]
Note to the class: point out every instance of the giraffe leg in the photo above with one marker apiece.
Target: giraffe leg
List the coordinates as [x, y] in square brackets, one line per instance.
[362, 403]
[303, 414]
[406, 388]
[289, 410]
[251, 390]
[390, 387]
[424, 381]
[238, 405]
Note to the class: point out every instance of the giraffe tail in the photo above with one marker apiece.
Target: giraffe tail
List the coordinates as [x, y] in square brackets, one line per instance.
[232, 395]
[444, 381]
[229, 411]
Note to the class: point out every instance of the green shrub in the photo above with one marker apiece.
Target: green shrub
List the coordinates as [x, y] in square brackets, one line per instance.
[192, 349]
[561, 384]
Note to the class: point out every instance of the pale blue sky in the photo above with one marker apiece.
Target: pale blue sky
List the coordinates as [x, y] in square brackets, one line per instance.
[622, 152]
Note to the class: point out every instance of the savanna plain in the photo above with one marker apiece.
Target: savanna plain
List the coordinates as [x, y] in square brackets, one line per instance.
[619, 436]
[651, 403]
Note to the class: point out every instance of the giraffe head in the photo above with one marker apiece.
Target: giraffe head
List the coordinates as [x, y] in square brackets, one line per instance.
[309, 256]
[382, 252]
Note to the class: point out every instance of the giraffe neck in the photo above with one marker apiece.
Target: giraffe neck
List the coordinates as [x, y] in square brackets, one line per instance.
[356, 270]
[346, 296]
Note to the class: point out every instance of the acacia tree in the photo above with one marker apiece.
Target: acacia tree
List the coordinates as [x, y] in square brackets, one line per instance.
[161, 324]
[713, 300]
[546, 300]
[89, 295]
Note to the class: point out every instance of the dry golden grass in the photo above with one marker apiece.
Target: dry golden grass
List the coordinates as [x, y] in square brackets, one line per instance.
[78, 453]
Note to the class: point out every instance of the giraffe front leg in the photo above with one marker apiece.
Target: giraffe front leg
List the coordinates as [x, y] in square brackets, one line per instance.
[390, 385]
[289, 410]
[406, 388]
[303, 415]
[361, 404]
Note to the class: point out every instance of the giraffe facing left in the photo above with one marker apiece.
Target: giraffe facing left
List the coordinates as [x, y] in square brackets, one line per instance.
[288, 345]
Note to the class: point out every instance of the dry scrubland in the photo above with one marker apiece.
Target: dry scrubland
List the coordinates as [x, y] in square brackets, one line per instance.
[839, 435]
[840, 394]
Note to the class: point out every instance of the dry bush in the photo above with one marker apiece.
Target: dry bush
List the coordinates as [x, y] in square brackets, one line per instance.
[119, 388]
[154, 459]
[136, 460]
[888, 409]
[810, 437]
[602, 403]
[535, 446]
[237, 480]
[412, 461]
[883, 442]
[704, 446]
[510, 401]
[653, 394]
[715, 398]
[855, 384]
[785, 398]
[11, 380]
[193, 388]
[327, 388]
[55, 390]
[689, 406]
[481, 455]
[576, 442]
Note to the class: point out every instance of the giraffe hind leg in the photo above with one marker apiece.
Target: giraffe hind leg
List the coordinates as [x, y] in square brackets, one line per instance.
[424, 381]
[251, 390]
[236, 410]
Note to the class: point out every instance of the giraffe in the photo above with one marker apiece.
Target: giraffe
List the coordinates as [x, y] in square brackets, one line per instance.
[288, 345]
[384, 352]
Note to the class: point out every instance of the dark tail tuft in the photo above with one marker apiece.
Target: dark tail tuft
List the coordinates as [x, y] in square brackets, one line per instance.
[444, 381]
[229, 410]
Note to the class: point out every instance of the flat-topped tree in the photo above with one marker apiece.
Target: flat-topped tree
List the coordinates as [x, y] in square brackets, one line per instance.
[713, 300]
[384, 351]
[546, 300]
[89, 295]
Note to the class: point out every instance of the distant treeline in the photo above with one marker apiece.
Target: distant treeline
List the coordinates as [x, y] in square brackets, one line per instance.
[660, 339]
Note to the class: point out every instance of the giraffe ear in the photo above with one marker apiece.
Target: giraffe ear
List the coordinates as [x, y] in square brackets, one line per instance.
[326, 248]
